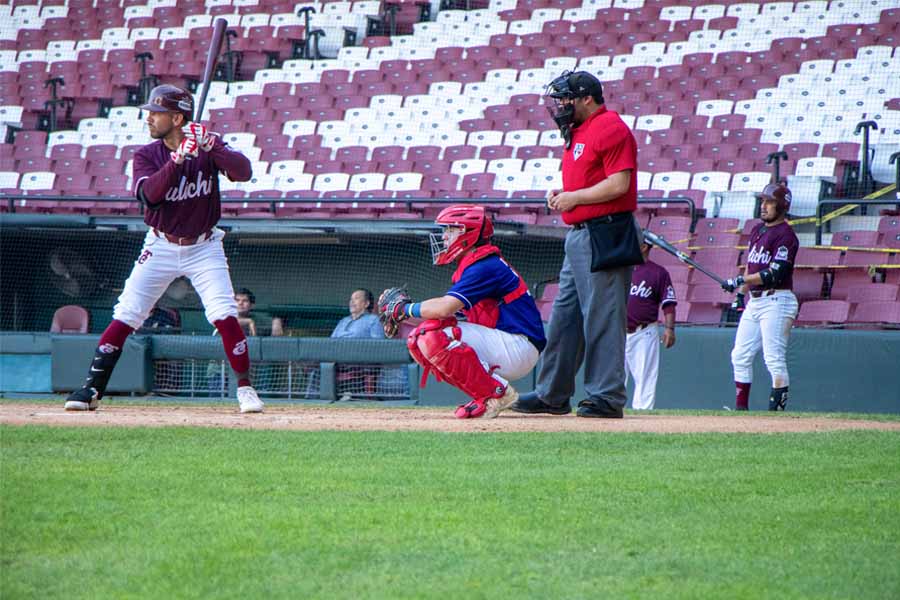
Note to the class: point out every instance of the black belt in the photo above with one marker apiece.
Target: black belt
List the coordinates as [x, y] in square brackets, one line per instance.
[637, 328]
[761, 293]
[603, 219]
[183, 241]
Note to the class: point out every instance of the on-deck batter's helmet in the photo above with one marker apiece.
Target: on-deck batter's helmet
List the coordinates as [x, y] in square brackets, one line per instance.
[169, 98]
[477, 226]
[780, 193]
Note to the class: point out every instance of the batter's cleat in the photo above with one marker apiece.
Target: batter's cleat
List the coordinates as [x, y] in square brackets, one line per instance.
[496, 405]
[472, 410]
[531, 404]
[83, 399]
[249, 400]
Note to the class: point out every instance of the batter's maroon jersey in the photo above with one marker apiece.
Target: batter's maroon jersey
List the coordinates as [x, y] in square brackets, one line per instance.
[183, 200]
[651, 288]
[768, 244]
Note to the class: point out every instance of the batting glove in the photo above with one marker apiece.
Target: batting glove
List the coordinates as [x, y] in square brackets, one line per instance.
[205, 139]
[188, 148]
[732, 284]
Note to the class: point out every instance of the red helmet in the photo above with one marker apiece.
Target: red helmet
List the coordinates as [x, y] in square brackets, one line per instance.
[477, 227]
[780, 193]
[169, 98]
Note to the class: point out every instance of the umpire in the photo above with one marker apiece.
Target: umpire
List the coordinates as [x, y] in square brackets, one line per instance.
[599, 197]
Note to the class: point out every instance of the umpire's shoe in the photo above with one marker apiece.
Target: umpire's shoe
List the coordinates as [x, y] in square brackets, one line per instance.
[531, 404]
[86, 398]
[599, 409]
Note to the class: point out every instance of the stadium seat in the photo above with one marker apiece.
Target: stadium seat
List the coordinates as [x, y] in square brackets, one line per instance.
[823, 312]
[70, 319]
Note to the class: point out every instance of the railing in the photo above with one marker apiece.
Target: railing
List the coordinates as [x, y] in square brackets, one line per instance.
[820, 210]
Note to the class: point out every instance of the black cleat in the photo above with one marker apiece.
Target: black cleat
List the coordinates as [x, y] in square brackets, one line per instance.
[83, 399]
[778, 399]
[531, 404]
[599, 409]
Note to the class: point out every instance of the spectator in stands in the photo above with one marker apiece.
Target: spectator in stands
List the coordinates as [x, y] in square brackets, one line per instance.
[246, 302]
[162, 320]
[362, 321]
[651, 288]
[599, 197]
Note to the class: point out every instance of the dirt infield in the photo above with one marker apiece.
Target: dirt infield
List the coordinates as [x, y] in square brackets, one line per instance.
[350, 418]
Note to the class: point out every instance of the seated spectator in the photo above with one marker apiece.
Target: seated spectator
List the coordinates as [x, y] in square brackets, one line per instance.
[246, 300]
[162, 320]
[362, 321]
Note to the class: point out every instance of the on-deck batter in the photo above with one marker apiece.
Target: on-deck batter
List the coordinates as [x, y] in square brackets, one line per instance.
[651, 289]
[772, 307]
[177, 177]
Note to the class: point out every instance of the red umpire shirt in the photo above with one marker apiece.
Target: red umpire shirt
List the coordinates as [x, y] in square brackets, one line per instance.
[183, 200]
[601, 146]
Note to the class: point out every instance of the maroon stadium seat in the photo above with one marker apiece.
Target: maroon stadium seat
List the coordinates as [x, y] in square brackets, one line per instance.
[823, 312]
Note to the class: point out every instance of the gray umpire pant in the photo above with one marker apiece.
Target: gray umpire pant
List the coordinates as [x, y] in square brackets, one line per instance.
[588, 324]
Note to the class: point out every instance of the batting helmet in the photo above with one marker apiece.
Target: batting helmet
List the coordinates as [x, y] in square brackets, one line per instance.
[780, 194]
[476, 224]
[169, 98]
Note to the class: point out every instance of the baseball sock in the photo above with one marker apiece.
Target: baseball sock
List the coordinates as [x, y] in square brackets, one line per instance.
[742, 401]
[235, 343]
[106, 356]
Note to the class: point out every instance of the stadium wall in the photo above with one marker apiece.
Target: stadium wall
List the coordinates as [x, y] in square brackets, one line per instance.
[831, 370]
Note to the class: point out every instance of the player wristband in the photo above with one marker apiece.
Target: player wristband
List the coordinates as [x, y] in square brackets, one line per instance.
[414, 310]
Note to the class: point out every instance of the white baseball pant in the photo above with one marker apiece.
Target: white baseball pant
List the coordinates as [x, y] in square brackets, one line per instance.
[161, 262]
[642, 365]
[766, 322]
[512, 354]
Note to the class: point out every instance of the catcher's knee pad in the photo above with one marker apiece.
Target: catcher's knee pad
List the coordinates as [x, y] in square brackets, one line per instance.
[458, 364]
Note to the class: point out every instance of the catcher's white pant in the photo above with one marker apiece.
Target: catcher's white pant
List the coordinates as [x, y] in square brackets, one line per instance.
[766, 322]
[642, 365]
[512, 354]
[161, 262]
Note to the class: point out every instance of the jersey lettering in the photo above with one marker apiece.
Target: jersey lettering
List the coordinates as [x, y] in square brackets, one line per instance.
[759, 256]
[642, 290]
[186, 191]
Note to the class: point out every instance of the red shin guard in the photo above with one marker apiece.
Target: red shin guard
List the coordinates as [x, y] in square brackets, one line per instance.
[457, 364]
[235, 343]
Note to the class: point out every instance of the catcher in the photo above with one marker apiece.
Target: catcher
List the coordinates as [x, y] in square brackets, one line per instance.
[502, 336]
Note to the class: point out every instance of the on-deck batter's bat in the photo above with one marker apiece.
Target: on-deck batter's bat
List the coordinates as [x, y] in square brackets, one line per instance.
[652, 238]
[215, 45]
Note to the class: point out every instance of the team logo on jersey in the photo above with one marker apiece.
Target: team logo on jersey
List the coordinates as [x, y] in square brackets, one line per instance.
[670, 293]
[642, 290]
[578, 151]
[240, 348]
[144, 256]
[759, 255]
[186, 190]
[781, 253]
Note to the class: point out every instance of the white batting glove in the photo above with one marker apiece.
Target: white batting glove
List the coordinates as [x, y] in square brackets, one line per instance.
[188, 148]
[205, 139]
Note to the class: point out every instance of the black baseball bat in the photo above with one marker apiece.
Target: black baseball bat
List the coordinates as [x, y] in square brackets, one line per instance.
[215, 45]
[661, 243]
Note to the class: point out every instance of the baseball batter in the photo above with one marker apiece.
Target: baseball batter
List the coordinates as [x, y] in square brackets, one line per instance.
[502, 336]
[651, 289]
[772, 307]
[177, 177]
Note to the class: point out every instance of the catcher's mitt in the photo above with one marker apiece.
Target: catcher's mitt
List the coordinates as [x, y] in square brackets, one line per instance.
[392, 309]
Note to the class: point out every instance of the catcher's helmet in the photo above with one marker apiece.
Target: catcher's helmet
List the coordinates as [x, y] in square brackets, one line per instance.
[169, 98]
[780, 193]
[477, 227]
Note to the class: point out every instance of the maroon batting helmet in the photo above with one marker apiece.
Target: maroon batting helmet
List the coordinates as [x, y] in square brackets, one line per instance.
[780, 193]
[169, 98]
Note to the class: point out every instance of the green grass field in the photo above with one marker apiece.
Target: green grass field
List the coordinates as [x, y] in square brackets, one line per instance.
[188, 513]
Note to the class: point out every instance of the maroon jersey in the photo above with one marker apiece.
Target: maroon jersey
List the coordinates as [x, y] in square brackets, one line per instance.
[651, 287]
[768, 244]
[183, 200]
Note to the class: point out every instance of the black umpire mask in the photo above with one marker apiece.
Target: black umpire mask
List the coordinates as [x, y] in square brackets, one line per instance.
[570, 86]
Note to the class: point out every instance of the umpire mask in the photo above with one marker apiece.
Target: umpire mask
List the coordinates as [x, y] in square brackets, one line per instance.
[569, 86]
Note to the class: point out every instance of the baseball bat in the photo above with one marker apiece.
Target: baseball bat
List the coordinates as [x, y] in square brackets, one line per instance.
[215, 44]
[652, 238]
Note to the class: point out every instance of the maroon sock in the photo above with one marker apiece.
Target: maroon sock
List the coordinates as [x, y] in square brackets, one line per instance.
[742, 402]
[235, 344]
[115, 335]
